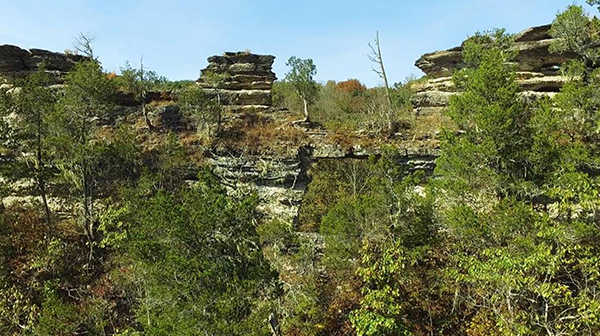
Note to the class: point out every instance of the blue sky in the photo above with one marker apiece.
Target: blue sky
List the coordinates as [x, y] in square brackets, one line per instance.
[175, 37]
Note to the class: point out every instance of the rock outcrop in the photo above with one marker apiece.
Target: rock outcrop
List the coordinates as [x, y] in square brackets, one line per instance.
[538, 70]
[18, 63]
[280, 182]
[245, 81]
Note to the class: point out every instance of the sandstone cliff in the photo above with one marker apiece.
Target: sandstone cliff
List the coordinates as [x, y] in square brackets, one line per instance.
[538, 70]
[247, 79]
[18, 63]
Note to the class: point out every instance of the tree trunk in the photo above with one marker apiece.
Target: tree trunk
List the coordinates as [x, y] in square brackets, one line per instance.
[86, 202]
[88, 225]
[143, 95]
[40, 171]
[42, 187]
[145, 113]
[377, 58]
[306, 117]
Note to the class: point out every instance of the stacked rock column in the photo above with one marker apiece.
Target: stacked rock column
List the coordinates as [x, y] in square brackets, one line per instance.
[247, 79]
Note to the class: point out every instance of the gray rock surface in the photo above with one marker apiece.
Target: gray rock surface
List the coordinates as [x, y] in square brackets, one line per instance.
[281, 182]
[16, 62]
[538, 70]
[249, 79]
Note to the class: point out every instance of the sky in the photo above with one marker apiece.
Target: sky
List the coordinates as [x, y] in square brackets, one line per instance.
[175, 37]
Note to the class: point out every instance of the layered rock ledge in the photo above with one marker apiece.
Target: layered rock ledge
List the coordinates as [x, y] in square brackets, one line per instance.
[17, 63]
[538, 70]
[246, 79]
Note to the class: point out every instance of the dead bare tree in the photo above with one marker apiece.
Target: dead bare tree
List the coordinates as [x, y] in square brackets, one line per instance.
[83, 45]
[376, 57]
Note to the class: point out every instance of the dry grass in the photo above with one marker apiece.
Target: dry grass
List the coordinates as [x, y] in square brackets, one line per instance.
[429, 126]
[255, 133]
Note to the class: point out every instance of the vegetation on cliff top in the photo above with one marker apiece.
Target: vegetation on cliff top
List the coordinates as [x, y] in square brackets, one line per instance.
[122, 229]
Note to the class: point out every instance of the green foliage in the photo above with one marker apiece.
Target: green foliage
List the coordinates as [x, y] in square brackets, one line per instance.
[170, 85]
[166, 168]
[577, 33]
[301, 78]
[139, 81]
[513, 247]
[513, 267]
[490, 157]
[87, 98]
[593, 2]
[399, 266]
[353, 203]
[196, 262]
[31, 104]
[206, 112]
[381, 310]
[340, 108]
[57, 318]
[284, 96]
[502, 241]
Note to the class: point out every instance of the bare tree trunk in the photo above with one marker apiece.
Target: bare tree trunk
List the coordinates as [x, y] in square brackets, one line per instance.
[88, 224]
[143, 95]
[145, 113]
[306, 117]
[376, 57]
[40, 171]
[42, 188]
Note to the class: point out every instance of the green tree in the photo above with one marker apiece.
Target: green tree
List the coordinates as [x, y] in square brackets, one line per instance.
[207, 112]
[87, 98]
[139, 82]
[578, 114]
[489, 158]
[515, 268]
[196, 260]
[577, 33]
[32, 103]
[301, 77]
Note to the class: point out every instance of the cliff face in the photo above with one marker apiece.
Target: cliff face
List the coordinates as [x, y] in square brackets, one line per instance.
[538, 70]
[280, 182]
[247, 79]
[18, 63]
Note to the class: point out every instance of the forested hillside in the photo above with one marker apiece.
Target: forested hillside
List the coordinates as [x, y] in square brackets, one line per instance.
[242, 205]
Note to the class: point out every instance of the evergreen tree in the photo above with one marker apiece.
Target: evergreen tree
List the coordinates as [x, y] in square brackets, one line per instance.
[196, 260]
[87, 98]
[31, 104]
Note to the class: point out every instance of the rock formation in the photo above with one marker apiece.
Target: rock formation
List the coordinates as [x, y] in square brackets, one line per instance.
[538, 70]
[18, 63]
[281, 183]
[246, 79]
